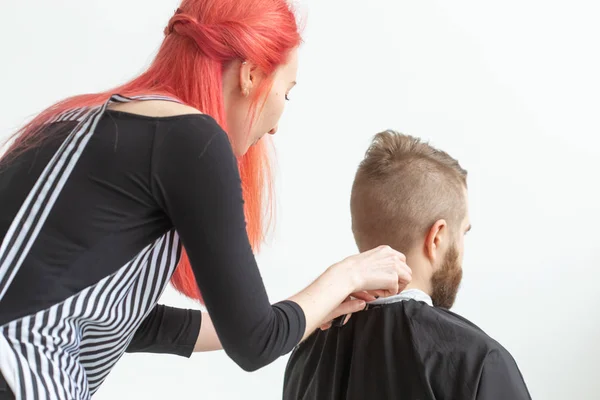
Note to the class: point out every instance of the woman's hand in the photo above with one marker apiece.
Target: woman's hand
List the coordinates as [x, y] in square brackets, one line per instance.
[378, 272]
[381, 270]
[208, 340]
[347, 308]
[354, 303]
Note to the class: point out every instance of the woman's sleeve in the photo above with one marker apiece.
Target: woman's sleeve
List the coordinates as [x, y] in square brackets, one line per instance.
[197, 182]
[167, 330]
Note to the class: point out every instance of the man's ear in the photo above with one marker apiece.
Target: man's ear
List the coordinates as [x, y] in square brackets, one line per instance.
[436, 240]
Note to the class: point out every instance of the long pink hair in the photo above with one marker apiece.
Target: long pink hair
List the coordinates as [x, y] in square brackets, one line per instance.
[202, 38]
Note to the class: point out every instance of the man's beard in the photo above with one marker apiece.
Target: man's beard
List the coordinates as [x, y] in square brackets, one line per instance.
[446, 281]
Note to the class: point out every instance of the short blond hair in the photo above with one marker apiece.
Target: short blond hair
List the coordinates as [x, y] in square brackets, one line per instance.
[402, 186]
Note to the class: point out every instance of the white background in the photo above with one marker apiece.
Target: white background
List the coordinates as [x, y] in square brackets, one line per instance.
[510, 88]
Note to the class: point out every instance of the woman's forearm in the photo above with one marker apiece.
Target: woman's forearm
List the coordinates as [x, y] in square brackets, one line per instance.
[207, 337]
[316, 301]
[322, 296]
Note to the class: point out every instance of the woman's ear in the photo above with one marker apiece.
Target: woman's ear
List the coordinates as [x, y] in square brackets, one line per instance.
[246, 77]
[250, 76]
[436, 240]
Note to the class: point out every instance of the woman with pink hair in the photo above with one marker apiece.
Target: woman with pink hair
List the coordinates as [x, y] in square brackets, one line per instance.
[107, 197]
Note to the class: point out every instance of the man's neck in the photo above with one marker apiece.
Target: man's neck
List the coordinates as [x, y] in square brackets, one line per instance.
[406, 294]
[416, 284]
[419, 279]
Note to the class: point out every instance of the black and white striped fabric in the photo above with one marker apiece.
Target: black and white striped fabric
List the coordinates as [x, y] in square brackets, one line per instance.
[67, 350]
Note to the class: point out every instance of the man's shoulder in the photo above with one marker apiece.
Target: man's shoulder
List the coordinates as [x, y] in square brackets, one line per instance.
[450, 330]
[415, 348]
[426, 329]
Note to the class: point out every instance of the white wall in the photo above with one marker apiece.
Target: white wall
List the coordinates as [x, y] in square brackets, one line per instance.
[511, 89]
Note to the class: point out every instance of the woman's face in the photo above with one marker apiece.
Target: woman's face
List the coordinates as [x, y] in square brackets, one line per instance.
[240, 81]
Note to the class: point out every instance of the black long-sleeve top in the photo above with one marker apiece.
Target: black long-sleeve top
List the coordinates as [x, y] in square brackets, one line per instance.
[167, 330]
[92, 223]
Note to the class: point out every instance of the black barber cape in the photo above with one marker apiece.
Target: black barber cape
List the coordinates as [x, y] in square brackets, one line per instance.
[407, 350]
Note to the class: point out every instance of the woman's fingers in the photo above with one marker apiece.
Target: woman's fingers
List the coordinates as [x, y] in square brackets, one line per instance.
[326, 326]
[404, 276]
[348, 307]
[345, 309]
[378, 293]
[366, 296]
[378, 272]
[347, 319]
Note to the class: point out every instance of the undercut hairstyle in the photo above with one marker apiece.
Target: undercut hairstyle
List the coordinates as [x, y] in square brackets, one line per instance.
[402, 187]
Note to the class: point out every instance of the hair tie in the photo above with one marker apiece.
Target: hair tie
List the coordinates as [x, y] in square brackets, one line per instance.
[172, 21]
